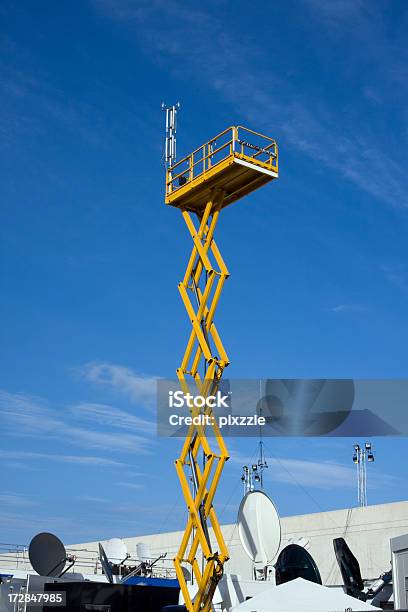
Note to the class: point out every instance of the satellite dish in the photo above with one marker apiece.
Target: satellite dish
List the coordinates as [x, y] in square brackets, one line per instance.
[115, 550]
[186, 574]
[107, 570]
[142, 551]
[295, 562]
[47, 554]
[259, 527]
[349, 568]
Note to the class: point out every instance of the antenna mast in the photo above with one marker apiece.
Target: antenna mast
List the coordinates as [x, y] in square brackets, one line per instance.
[170, 150]
[262, 463]
[252, 475]
[361, 456]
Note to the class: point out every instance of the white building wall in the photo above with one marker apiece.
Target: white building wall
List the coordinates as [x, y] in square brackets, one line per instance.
[367, 531]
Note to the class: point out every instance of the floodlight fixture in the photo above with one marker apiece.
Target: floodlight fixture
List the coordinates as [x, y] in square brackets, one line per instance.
[361, 456]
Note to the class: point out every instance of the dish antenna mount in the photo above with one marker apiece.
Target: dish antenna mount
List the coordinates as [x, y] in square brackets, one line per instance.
[48, 556]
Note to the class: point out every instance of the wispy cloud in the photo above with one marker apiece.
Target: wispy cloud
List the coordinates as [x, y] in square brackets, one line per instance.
[396, 274]
[340, 308]
[141, 389]
[16, 521]
[320, 475]
[93, 500]
[50, 457]
[203, 46]
[315, 474]
[15, 499]
[131, 485]
[110, 416]
[34, 105]
[23, 415]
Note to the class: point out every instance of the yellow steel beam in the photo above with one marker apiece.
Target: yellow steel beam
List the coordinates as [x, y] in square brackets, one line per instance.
[201, 185]
[200, 291]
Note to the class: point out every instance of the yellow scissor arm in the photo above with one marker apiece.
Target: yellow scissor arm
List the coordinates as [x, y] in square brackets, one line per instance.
[221, 171]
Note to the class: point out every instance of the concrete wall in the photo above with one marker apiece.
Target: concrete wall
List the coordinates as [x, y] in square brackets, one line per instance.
[366, 530]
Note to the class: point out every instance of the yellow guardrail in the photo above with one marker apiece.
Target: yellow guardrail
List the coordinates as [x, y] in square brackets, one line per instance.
[235, 141]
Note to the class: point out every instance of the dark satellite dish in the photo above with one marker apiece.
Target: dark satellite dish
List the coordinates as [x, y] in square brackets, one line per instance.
[107, 570]
[349, 568]
[186, 574]
[295, 562]
[47, 554]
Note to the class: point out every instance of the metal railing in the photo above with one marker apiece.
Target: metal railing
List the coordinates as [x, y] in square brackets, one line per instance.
[15, 557]
[236, 140]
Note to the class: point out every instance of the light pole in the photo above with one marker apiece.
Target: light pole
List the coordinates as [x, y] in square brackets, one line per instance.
[362, 455]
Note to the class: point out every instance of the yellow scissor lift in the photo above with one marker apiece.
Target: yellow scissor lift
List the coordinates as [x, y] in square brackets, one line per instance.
[221, 171]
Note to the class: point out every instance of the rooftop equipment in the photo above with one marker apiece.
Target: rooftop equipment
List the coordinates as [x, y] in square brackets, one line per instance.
[48, 556]
[351, 574]
[362, 455]
[259, 528]
[295, 562]
[399, 552]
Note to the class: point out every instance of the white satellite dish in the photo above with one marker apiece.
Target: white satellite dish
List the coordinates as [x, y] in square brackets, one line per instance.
[259, 527]
[142, 551]
[115, 550]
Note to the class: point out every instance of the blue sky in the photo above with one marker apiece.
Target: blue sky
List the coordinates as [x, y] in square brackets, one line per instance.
[91, 257]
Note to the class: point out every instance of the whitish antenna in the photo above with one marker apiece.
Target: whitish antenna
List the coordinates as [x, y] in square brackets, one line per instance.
[171, 127]
[361, 456]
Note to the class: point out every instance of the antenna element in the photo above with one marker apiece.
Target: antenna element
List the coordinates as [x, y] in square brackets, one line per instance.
[171, 128]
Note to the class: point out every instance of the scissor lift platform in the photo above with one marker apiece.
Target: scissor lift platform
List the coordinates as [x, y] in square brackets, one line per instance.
[235, 162]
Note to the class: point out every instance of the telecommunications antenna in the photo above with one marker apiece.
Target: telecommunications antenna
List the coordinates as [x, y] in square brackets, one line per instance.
[259, 527]
[107, 570]
[295, 562]
[170, 150]
[47, 554]
[116, 551]
[349, 567]
[142, 552]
